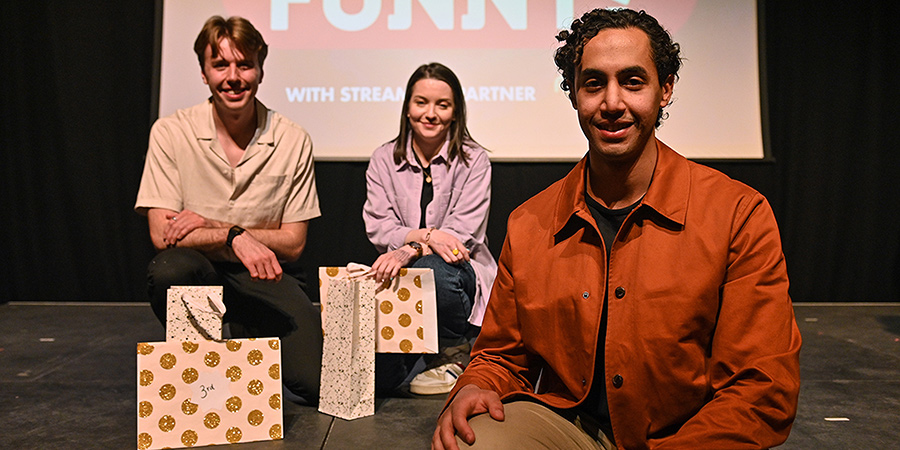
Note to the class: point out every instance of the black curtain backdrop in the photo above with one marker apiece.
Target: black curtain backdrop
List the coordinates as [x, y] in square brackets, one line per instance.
[77, 105]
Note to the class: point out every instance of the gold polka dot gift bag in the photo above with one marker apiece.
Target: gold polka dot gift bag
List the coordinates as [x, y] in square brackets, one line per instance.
[202, 392]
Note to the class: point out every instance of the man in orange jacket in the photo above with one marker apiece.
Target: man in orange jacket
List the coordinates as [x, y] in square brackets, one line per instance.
[641, 301]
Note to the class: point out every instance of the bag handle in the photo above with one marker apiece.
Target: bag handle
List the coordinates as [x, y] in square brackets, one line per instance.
[213, 305]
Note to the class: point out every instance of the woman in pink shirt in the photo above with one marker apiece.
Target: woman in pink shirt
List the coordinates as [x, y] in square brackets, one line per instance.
[428, 197]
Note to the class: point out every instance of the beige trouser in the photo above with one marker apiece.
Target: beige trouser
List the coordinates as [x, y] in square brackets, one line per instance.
[531, 425]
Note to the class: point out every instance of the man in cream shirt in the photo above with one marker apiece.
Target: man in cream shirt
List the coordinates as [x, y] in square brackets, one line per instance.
[228, 189]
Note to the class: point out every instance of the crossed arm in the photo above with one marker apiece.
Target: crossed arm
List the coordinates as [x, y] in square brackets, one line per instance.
[258, 249]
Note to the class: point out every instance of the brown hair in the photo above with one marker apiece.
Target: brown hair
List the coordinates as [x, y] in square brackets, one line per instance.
[237, 30]
[459, 133]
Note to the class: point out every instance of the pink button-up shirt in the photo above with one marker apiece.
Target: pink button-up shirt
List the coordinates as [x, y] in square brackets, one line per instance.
[462, 200]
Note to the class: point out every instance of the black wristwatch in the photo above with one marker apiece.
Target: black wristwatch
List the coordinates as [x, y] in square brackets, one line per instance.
[233, 232]
[417, 247]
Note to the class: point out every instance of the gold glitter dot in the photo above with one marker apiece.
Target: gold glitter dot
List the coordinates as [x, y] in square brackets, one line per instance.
[386, 307]
[275, 401]
[233, 373]
[145, 441]
[145, 408]
[211, 420]
[233, 346]
[144, 349]
[255, 417]
[404, 320]
[332, 271]
[167, 392]
[387, 333]
[420, 332]
[274, 344]
[419, 306]
[146, 377]
[275, 371]
[255, 357]
[167, 361]
[188, 408]
[189, 347]
[406, 346]
[212, 359]
[190, 375]
[418, 281]
[251, 339]
[275, 431]
[403, 294]
[233, 435]
[189, 438]
[403, 271]
[320, 282]
[255, 387]
[167, 423]
[233, 404]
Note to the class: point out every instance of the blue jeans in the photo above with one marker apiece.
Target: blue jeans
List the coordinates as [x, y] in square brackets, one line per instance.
[455, 293]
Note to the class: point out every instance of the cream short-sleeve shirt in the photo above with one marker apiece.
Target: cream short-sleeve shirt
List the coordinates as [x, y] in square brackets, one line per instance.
[186, 168]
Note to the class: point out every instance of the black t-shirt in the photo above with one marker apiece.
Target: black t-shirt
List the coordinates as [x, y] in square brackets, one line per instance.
[427, 191]
[608, 222]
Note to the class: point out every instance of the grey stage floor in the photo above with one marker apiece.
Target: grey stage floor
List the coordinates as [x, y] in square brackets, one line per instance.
[67, 380]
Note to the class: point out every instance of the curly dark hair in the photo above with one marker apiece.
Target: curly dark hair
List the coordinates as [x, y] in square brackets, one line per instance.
[664, 52]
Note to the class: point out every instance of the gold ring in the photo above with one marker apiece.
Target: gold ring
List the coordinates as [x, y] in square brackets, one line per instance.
[455, 251]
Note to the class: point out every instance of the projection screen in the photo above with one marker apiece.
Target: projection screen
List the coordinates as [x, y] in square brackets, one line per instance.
[339, 67]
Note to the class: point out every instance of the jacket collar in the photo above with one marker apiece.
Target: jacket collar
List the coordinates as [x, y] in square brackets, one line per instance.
[667, 195]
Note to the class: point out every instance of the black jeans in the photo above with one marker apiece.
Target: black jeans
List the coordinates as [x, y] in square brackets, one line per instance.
[254, 308]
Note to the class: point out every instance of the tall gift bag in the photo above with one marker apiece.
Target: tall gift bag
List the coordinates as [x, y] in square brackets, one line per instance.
[347, 388]
[360, 318]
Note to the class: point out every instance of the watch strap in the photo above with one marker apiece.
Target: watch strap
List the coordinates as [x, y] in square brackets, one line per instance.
[233, 232]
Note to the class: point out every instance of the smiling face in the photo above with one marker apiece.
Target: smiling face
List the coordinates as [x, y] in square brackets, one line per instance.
[430, 111]
[617, 94]
[233, 78]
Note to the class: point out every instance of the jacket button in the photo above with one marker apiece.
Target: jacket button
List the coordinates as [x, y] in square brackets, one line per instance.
[620, 292]
[583, 382]
[585, 295]
[617, 381]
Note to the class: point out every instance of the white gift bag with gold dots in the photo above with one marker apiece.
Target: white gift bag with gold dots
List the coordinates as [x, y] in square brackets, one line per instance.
[405, 309]
[195, 393]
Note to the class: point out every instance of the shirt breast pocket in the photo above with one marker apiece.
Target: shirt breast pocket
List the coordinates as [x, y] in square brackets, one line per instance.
[266, 192]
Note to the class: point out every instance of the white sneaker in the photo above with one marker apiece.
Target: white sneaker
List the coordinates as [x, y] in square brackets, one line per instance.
[439, 380]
